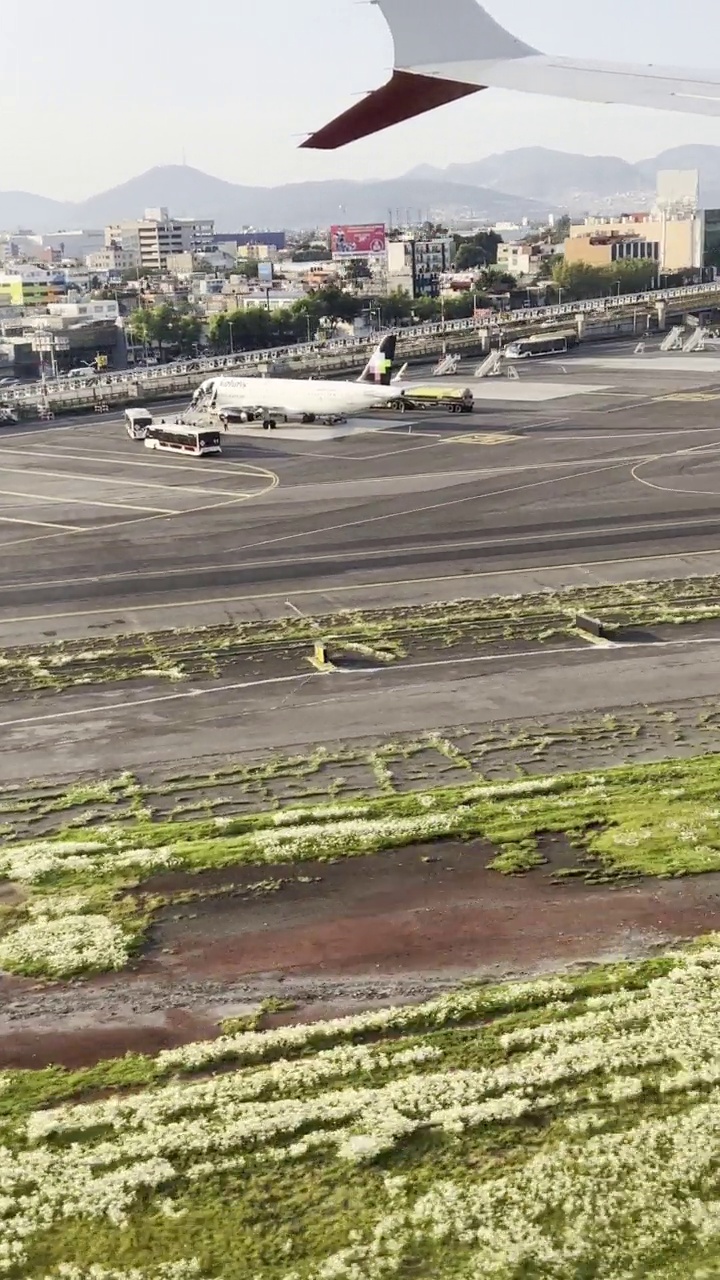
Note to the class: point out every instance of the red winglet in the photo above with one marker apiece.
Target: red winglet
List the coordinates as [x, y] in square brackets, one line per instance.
[404, 96]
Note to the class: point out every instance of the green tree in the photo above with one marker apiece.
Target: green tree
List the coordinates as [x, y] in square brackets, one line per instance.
[338, 305]
[139, 326]
[426, 309]
[189, 332]
[312, 253]
[547, 267]
[396, 306]
[578, 280]
[475, 251]
[560, 232]
[306, 315]
[634, 276]
[247, 267]
[163, 325]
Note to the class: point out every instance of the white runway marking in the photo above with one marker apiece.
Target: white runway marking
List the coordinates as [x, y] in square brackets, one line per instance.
[38, 524]
[41, 498]
[584, 650]
[111, 480]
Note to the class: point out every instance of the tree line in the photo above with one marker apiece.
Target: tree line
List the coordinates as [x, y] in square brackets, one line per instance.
[183, 331]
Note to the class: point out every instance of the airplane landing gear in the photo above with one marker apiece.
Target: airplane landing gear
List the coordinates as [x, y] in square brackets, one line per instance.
[269, 424]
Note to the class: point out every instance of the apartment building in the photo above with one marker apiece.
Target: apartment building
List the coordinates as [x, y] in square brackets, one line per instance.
[521, 259]
[112, 258]
[604, 249]
[29, 287]
[155, 237]
[680, 240]
[416, 265]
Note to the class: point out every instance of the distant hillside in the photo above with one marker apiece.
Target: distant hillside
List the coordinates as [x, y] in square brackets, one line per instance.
[546, 173]
[21, 209]
[189, 192]
[528, 182]
[581, 183]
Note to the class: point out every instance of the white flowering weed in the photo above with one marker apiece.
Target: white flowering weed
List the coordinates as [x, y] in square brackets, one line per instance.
[610, 1185]
[32, 862]
[63, 945]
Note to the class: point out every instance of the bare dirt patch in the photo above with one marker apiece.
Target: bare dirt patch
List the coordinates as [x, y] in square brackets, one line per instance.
[422, 910]
[388, 928]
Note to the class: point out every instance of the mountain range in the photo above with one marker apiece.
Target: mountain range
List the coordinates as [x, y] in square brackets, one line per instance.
[581, 183]
[188, 192]
[528, 182]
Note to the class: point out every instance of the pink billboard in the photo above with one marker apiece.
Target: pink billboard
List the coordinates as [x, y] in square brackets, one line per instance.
[357, 242]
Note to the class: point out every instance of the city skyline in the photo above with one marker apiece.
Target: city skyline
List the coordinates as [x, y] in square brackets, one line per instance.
[229, 100]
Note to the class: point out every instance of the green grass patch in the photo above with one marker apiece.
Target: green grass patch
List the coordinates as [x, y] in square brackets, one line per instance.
[382, 635]
[641, 820]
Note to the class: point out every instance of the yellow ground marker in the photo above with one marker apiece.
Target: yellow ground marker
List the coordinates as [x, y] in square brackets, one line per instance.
[486, 437]
[690, 397]
[320, 659]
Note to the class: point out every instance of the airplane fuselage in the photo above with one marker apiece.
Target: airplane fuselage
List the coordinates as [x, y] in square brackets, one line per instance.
[287, 396]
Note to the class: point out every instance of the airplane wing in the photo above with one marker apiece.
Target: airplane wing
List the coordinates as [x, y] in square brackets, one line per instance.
[453, 48]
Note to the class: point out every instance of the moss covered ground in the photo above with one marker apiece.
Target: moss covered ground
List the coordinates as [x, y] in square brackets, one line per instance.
[382, 635]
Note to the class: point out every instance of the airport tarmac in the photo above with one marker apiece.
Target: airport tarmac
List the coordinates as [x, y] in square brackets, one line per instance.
[606, 484]
[99, 534]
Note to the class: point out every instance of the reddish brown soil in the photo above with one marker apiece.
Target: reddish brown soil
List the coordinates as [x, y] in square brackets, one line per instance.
[383, 929]
[81, 1047]
[424, 910]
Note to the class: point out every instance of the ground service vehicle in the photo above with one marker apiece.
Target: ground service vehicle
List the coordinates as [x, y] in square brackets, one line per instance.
[137, 422]
[179, 438]
[540, 345]
[449, 399]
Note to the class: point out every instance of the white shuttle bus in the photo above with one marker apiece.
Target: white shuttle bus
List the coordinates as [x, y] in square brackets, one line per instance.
[177, 437]
[137, 422]
[541, 344]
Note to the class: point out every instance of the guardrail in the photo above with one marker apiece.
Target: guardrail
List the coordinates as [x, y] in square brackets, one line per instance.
[154, 377]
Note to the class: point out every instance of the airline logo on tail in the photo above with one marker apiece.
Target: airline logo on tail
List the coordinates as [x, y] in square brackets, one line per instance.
[380, 365]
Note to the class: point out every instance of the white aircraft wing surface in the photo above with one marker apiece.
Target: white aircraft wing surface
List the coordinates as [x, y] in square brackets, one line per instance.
[448, 49]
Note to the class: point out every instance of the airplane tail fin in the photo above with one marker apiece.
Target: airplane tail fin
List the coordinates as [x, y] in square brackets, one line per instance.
[379, 367]
[463, 32]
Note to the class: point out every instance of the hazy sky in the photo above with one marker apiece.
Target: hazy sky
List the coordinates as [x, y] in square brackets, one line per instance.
[90, 97]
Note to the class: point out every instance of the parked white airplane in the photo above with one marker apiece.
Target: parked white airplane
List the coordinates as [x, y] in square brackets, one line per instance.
[308, 399]
[447, 49]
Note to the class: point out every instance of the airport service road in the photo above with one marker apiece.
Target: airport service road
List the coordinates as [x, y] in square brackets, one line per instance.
[107, 729]
[99, 534]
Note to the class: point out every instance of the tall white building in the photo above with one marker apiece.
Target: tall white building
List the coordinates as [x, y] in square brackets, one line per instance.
[157, 236]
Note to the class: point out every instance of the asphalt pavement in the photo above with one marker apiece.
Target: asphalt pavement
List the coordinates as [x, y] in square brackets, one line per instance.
[114, 728]
[99, 534]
